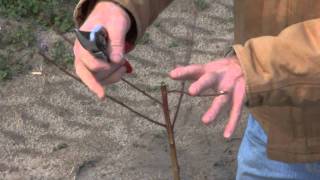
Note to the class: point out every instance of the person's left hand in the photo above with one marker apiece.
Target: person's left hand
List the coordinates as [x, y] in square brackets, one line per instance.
[222, 75]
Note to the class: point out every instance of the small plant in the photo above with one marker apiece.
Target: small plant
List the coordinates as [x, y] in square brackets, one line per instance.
[145, 39]
[20, 8]
[50, 13]
[20, 37]
[4, 68]
[15, 39]
[152, 88]
[160, 134]
[201, 4]
[157, 24]
[10, 67]
[62, 55]
[173, 44]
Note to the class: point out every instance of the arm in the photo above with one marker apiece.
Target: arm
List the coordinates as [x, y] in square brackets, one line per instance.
[142, 12]
[275, 71]
[285, 69]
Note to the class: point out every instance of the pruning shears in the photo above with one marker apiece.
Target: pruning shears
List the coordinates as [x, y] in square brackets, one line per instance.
[96, 42]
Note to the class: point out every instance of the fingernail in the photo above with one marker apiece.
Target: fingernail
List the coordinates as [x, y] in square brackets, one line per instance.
[205, 121]
[193, 91]
[116, 58]
[172, 74]
[227, 135]
[101, 95]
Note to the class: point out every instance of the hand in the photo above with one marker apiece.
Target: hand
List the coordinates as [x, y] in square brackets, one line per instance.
[93, 72]
[222, 75]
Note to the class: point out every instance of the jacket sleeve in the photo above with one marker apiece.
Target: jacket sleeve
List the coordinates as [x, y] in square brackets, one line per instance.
[142, 12]
[284, 69]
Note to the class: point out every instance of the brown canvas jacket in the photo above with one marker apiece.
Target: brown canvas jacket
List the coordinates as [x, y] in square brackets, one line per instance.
[281, 63]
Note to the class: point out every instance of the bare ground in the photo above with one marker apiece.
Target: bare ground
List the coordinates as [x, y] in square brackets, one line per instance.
[52, 127]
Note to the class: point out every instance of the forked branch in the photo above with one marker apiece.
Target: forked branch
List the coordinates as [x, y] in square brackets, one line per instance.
[50, 61]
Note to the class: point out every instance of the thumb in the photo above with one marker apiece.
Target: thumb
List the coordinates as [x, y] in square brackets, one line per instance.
[117, 44]
[116, 51]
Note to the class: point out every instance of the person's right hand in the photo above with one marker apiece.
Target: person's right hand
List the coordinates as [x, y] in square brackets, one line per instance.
[94, 72]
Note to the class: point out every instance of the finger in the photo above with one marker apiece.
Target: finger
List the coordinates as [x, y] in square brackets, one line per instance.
[218, 102]
[215, 108]
[190, 72]
[115, 77]
[203, 83]
[116, 53]
[87, 78]
[103, 74]
[117, 45]
[236, 109]
[88, 60]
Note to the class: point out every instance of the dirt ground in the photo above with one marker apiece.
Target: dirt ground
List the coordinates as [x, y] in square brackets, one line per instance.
[52, 127]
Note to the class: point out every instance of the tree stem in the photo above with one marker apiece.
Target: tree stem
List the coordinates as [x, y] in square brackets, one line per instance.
[173, 151]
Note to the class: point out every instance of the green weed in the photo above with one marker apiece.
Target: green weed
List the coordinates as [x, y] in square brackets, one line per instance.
[201, 4]
[153, 88]
[20, 37]
[16, 45]
[62, 55]
[160, 134]
[10, 66]
[157, 24]
[51, 13]
[4, 68]
[173, 44]
[145, 39]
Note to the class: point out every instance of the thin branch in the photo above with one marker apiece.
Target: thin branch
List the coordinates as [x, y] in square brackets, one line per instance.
[50, 61]
[173, 151]
[201, 95]
[47, 59]
[143, 92]
[124, 80]
[175, 117]
[188, 56]
[134, 111]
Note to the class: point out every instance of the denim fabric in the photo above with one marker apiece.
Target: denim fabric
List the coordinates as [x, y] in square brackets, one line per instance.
[253, 163]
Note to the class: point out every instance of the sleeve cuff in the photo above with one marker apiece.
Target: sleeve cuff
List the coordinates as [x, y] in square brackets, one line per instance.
[239, 51]
[84, 8]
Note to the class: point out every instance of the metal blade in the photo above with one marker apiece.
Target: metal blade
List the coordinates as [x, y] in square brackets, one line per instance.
[84, 39]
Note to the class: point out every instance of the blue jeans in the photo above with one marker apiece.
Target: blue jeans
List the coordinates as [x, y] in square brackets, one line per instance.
[253, 163]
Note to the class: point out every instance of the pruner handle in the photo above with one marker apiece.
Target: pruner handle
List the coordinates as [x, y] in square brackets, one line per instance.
[128, 48]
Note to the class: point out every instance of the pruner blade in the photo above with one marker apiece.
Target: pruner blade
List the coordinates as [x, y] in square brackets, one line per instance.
[96, 42]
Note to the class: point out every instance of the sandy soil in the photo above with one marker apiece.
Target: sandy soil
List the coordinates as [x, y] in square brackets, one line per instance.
[52, 127]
